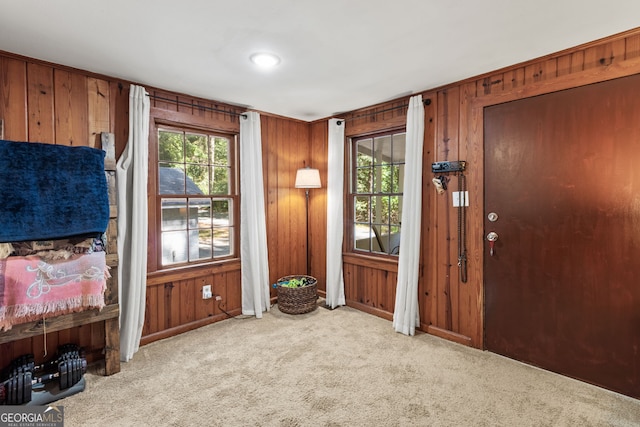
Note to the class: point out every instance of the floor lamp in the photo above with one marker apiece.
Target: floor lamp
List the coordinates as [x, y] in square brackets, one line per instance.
[307, 178]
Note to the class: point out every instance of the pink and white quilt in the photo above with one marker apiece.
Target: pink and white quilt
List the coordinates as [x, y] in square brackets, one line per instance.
[33, 289]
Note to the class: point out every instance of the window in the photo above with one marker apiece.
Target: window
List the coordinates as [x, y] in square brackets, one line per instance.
[197, 196]
[377, 174]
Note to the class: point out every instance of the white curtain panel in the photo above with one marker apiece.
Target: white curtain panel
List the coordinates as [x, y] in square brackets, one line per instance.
[131, 174]
[335, 214]
[253, 226]
[405, 314]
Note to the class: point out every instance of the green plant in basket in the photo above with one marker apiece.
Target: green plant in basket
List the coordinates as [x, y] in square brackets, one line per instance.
[295, 283]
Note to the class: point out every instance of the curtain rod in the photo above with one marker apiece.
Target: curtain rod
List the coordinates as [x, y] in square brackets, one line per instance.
[201, 107]
[425, 102]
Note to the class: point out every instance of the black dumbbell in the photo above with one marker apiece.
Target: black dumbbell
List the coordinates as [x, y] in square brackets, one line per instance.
[70, 365]
[17, 389]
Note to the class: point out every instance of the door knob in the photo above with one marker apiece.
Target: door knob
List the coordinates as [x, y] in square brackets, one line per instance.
[492, 237]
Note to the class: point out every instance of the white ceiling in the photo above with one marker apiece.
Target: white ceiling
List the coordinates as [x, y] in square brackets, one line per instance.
[337, 55]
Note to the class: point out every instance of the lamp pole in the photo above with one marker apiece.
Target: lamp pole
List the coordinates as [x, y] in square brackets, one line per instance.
[307, 178]
[307, 233]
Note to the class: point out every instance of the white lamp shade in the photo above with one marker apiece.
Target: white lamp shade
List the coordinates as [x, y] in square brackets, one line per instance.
[308, 178]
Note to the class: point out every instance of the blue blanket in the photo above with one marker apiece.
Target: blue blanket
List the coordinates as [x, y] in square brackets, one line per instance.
[51, 191]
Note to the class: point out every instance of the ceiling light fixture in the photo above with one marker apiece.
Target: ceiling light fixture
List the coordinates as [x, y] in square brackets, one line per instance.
[265, 60]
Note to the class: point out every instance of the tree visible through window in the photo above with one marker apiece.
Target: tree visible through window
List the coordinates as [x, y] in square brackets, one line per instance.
[196, 192]
[376, 192]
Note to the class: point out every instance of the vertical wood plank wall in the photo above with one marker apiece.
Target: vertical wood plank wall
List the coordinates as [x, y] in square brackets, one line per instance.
[285, 147]
[41, 102]
[54, 104]
[174, 301]
[453, 130]
[318, 152]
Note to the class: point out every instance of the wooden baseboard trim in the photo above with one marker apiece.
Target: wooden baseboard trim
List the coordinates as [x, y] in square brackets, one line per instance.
[177, 330]
[447, 335]
[371, 310]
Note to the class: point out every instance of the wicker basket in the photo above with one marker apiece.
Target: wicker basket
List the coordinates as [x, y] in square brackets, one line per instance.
[297, 300]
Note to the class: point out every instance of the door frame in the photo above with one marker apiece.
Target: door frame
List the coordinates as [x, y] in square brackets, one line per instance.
[473, 134]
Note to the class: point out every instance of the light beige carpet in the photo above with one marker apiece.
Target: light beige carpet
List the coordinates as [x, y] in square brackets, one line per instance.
[333, 368]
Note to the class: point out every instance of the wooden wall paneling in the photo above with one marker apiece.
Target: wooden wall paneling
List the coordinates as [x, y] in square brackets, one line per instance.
[358, 278]
[387, 291]
[510, 79]
[233, 301]
[14, 349]
[161, 321]
[602, 55]
[362, 280]
[377, 286]
[156, 307]
[445, 236]
[287, 143]
[380, 291]
[373, 288]
[40, 106]
[370, 286]
[349, 281]
[13, 98]
[468, 312]
[270, 174]
[71, 100]
[218, 284]
[64, 336]
[119, 115]
[84, 341]
[188, 299]
[539, 71]
[286, 211]
[577, 62]
[174, 305]
[318, 203]
[292, 200]
[152, 319]
[355, 283]
[158, 100]
[183, 106]
[453, 283]
[97, 334]
[41, 103]
[203, 308]
[228, 284]
[632, 46]
[563, 65]
[200, 108]
[301, 222]
[38, 347]
[356, 125]
[98, 109]
[491, 84]
[427, 242]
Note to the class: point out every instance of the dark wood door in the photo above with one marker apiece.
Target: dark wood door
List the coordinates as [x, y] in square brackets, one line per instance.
[562, 290]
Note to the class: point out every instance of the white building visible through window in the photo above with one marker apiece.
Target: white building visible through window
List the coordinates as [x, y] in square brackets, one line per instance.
[377, 169]
[196, 193]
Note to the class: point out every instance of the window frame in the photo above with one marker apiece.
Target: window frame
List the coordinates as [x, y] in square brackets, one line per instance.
[233, 194]
[351, 193]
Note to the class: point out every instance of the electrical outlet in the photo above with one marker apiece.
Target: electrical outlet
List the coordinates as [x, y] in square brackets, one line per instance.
[206, 292]
[218, 298]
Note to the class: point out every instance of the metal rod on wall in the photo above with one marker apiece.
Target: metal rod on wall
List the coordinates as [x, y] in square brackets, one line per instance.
[200, 107]
[425, 102]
